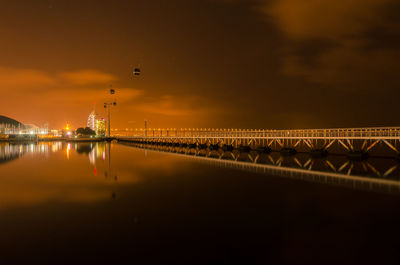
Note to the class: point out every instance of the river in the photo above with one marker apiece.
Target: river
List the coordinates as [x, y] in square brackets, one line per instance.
[98, 203]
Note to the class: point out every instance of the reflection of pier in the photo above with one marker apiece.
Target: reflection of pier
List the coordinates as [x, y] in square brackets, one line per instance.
[353, 141]
[276, 167]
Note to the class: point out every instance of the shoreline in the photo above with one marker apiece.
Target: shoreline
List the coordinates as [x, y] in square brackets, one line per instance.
[72, 140]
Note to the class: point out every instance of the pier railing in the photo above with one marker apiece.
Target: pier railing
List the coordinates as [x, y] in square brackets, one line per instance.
[352, 140]
[338, 133]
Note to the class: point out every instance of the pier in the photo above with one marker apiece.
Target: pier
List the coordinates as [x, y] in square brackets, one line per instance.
[357, 143]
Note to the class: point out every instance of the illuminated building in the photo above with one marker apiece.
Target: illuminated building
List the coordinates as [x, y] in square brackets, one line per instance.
[96, 124]
[100, 127]
[55, 133]
[10, 126]
[91, 122]
[33, 129]
[67, 132]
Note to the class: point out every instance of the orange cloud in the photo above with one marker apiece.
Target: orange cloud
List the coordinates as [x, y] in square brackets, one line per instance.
[87, 77]
[56, 98]
[35, 96]
[16, 79]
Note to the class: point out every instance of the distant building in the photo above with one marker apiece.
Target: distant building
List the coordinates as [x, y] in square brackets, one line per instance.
[91, 123]
[96, 123]
[33, 129]
[100, 127]
[55, 133]
[10, 126]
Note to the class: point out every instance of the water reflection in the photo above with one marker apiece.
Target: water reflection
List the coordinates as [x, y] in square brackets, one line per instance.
[55, 171]
[90, 172]
[58, 198]
[9, 152]
[98, 154]
[375, 173]
[12, 151]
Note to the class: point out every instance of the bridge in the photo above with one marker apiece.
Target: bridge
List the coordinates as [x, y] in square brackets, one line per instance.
[356, 142]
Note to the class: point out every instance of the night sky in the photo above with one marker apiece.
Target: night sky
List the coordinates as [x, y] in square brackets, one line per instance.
[205, 63]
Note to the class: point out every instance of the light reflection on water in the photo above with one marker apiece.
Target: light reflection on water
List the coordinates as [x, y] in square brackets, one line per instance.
[95, 160]
[11, 151]
[109, 202]
[35, 173]
[81, 172]
[376, 173]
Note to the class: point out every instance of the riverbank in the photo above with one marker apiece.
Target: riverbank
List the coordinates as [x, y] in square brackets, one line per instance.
[68, 140]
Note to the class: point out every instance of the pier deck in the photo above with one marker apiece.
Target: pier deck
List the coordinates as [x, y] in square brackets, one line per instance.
[352, 140]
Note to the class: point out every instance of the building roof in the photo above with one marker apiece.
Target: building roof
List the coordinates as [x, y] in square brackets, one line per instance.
[9, 121]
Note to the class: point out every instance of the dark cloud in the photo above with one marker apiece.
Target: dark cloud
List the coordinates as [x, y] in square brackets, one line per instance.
[338, 43]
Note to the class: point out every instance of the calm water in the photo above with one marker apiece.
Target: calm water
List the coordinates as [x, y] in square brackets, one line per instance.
[90, 204]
